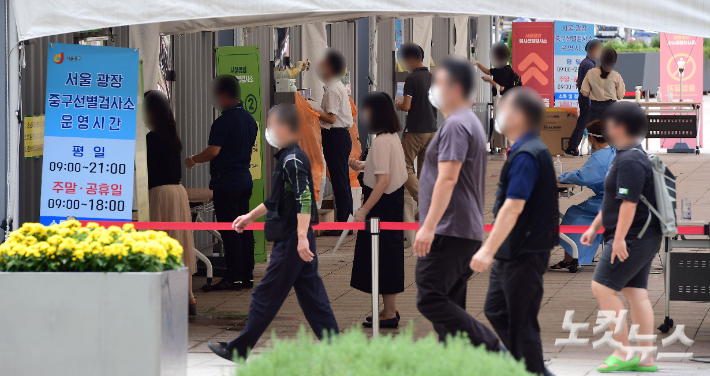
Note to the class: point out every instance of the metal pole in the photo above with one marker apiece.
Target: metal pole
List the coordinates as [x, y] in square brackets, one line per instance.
[375, 232]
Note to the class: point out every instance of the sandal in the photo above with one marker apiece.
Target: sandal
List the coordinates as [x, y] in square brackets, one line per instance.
[192, 307]
[616, 364]
[561, 265]
[638, 368]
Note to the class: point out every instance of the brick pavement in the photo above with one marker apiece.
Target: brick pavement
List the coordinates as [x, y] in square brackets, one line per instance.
[223, 314]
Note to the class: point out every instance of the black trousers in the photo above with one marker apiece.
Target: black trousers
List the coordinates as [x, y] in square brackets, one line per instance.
[336, 150]
[512, 305]
[238, 248]
[442, 277]
[582, 122]
[286, 269]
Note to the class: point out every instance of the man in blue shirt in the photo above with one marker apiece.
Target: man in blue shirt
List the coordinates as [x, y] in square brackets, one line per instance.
[231, 141]
[593, 48]
[526, 229]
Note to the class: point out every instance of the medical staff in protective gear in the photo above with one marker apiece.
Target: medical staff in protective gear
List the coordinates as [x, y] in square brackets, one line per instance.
[590, 175]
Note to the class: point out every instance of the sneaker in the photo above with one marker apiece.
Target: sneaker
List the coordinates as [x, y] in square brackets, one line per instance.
[222, 349]
[227, 284]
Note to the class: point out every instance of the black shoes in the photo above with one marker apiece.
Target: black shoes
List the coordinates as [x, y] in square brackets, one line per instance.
[369, 318]
[573, 152]
[222, 349]
[389, 323]
[226, 284]
[334, 232]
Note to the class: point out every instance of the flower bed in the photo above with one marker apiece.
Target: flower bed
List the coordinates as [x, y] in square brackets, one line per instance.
[352, 353]
[68, 247]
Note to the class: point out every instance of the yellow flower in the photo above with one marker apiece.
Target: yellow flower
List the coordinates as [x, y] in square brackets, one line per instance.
[92, 225]
[128, 227]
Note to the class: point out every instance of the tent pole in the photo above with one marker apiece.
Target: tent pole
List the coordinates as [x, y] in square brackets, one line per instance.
[12, 115]
[373, 52]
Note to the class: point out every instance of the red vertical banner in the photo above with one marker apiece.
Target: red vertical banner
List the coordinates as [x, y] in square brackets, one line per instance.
[687, 52]
[534, 57]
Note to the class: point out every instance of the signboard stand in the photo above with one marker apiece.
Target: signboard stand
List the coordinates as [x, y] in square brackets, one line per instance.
[90, 133]
[243, 62]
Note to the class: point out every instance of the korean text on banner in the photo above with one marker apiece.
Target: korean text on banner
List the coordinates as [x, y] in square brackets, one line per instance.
[90, 131]
[570, 40]
[34, 136]
[533, 57]
[681, 51]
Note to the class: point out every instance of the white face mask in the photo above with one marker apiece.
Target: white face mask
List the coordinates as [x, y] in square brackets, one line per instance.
[499, 64]
[270, 140]
[435, 97]
[499, 123]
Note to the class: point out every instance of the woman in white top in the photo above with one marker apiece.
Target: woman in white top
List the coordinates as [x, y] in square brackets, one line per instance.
[603, 85]
[383, 187]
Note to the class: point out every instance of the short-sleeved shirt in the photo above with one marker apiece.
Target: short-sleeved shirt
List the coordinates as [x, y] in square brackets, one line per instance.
[421, 117]
[385, 157]
[584, 68]
[504, 76]
[164, 163]
[461, 138]
[601, 89]
[234, 132]
[523, 172]
[336, 101]
[629, 177]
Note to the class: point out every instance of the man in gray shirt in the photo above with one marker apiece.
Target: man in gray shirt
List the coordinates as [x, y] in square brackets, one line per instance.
[451, 196]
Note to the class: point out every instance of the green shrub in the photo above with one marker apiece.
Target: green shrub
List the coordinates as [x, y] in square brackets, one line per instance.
[621, 45]
[351, 353]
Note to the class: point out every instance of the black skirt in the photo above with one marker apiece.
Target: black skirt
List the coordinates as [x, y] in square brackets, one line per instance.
[390, 208]
[597, 109]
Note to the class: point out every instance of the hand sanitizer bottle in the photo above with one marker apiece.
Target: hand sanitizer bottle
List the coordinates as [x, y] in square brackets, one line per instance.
[558, 166]
[659, 96]
[686, 205]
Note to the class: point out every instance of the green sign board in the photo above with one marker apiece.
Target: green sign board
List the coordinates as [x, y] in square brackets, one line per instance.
[243, 63]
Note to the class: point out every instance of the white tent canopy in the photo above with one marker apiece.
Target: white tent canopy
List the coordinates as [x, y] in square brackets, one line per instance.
[38, 18]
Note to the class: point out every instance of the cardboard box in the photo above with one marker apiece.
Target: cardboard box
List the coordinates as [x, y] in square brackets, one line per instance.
[559, 124]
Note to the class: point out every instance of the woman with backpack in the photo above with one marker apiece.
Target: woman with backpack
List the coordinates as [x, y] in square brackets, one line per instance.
[632, 233]
[603, 85]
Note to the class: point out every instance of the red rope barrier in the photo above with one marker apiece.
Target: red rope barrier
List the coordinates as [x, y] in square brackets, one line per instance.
[258, 226]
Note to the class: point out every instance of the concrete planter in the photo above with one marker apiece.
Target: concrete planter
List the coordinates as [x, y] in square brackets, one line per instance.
[93, 324]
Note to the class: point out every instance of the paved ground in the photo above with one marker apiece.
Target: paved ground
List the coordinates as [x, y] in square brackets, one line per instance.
[222, 315]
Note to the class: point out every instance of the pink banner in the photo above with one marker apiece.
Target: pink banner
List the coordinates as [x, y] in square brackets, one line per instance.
[687, 52]
[534, 57]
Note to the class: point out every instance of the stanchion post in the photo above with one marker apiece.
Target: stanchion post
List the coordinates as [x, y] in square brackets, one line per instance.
[375, 232]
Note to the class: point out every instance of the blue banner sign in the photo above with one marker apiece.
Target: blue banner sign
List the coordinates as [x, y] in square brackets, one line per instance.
[90, 130]
[570, 40]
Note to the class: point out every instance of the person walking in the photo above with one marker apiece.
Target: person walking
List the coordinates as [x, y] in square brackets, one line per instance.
[603, 85]
[452, 191]
[385, 174]
[231, 141]
[593, 49]
[290, 212]
[526, 228]
[335, 120]
[167, 196]
[628, 251]
[421, 115]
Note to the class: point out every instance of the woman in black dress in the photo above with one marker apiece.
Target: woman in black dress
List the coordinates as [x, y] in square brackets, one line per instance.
[384, 174]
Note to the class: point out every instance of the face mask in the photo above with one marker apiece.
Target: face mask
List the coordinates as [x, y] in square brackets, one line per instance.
[270, 140]
[499, 64]
[320, 74]
[499, 123]
[435, 96]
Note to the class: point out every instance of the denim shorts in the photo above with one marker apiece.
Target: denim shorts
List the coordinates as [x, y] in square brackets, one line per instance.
[634, 271]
